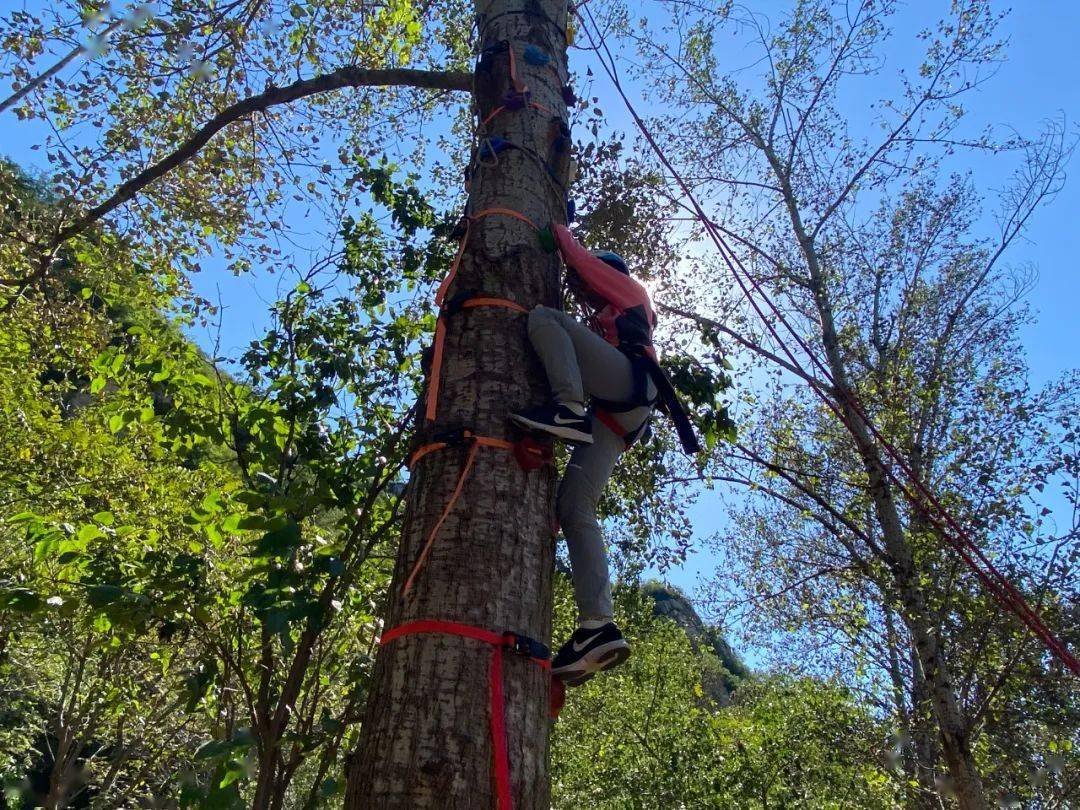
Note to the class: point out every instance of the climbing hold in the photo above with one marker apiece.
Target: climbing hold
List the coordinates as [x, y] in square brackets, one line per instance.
[490, 148]
[531, 454]
[547, 239]
[535, 56]
[489, 53]
[516, 100]
[571, 210]
[568, 95]
[560, 140]
[556, 697]
[572, 171]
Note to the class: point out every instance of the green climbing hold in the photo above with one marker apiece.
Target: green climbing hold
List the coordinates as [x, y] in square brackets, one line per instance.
[547, 239]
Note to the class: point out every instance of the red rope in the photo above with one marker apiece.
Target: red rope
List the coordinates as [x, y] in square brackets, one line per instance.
[497, 724]
[996, 582]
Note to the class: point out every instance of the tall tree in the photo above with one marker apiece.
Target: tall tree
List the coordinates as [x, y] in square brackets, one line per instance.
[427, 739]
[799, 184]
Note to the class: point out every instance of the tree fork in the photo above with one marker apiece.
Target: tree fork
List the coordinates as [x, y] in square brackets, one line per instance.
[426, 741]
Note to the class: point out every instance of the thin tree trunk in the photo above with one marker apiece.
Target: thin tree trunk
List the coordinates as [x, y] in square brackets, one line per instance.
[955, 745]
[267, 782]
[425, 741]
[924, 736]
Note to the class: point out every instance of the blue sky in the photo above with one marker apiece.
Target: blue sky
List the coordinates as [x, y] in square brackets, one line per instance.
[1038, 81]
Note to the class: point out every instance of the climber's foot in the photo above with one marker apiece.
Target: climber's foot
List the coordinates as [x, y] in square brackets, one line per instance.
[568, 421]
[590, 650]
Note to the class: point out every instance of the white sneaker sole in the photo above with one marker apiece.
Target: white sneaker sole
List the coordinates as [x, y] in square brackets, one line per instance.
[606, 656]
[568, 433]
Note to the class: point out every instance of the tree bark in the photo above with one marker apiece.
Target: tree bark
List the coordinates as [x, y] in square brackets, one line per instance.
[425, 741]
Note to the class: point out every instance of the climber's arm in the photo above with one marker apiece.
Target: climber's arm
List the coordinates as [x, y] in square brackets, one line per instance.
[596, 278]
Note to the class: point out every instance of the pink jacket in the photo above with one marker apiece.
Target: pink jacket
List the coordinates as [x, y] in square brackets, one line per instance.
[627, 319]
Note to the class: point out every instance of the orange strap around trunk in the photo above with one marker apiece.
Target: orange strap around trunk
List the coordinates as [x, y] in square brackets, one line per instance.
[537, 457]
[440, 294]
[499, 643]
[519, 88]
[434, 382]
[440, 299]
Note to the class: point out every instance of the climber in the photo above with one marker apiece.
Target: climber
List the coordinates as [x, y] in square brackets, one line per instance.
[614, 363]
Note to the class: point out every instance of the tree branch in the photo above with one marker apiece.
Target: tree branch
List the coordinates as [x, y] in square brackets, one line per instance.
[349, 76]
[709, 323]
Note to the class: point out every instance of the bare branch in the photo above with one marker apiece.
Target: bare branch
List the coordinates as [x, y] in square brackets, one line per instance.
[709, 323]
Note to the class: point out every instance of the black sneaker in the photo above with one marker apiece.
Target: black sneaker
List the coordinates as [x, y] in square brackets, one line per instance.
[569, 422]
[588, 652]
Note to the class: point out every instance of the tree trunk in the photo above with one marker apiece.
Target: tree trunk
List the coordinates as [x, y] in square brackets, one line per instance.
[425, 741]
[923, 736]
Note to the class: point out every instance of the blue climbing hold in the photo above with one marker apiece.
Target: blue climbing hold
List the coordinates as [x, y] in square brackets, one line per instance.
[492, 146]
[535, 56]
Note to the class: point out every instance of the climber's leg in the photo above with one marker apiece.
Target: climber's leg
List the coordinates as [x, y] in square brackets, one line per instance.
[578, 362]
[597, 644]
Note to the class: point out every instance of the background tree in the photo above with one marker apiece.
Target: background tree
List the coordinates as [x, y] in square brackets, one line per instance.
[872, 256]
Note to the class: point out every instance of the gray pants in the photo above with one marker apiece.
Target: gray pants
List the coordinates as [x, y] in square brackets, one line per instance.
[580, 362]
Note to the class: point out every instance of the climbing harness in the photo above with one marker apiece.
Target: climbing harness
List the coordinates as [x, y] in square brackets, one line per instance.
[500, 643]
[917, 493]
[629, 437]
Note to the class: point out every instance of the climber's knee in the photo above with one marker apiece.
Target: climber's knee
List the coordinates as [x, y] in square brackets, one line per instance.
[541, 317]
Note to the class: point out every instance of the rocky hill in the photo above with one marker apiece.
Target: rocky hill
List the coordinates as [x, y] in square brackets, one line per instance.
[720, 681]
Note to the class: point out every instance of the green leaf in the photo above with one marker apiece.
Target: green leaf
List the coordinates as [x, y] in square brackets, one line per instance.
[101, 595]
[279, 541]
[211, 749]
[104, 518]
[97, 384]
[20, 600]
[45, 547]
[89, 532]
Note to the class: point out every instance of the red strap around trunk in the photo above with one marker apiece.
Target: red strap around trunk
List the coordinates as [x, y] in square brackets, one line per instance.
[499, 642]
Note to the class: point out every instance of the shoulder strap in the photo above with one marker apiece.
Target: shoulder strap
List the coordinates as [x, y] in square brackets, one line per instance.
[670, 404]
